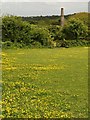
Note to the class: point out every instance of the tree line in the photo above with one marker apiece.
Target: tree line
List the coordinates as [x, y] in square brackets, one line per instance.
[22, 33]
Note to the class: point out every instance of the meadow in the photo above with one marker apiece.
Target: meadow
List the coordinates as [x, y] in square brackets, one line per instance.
[45, 83]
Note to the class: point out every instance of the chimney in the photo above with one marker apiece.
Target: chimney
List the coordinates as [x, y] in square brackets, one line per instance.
[62, 17]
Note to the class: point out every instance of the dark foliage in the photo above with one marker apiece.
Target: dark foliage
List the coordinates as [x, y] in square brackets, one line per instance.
[44, 31]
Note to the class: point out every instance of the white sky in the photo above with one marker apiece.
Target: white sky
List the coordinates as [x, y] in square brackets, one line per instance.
[44, 0]
[45, 7]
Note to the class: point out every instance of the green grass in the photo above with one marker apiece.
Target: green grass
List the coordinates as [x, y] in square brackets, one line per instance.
[50, 83]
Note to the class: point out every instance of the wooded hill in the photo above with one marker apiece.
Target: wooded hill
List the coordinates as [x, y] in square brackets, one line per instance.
[55, 19]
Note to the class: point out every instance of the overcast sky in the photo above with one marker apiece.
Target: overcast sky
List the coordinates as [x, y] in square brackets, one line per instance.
[43, 8]
[44, 0]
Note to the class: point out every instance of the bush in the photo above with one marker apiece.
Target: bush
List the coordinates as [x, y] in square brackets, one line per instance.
[74, 29]
[22, 33]
[40, 35]
[15, 30]
[36, 44]
[74, 43]
[56, 32]
[7, 44]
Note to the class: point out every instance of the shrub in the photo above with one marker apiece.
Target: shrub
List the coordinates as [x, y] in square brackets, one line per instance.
[22, 33]
[56, 32]
[74, 43]
[40, 35]
[74, 29]
[15, 30]
[7, 44]
[36, 44]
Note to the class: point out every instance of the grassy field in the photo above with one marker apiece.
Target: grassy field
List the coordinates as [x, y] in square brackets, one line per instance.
[50, 83]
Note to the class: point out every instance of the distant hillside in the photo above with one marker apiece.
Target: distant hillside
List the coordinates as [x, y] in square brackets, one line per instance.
[55, 19]
[82, 16]
[45, 20]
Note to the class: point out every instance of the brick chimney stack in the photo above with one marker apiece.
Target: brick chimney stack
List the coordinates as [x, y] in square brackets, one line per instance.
[62, 16]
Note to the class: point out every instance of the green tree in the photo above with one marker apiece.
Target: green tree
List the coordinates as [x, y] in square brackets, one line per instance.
[56, 32]
[40, 34]
[74, 29]
[15, 30]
